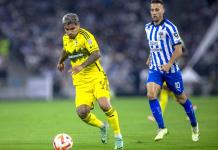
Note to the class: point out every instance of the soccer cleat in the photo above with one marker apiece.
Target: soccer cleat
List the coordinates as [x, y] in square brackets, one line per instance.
[160, 134]
[104, 133]
[195, 133]
[118, 143]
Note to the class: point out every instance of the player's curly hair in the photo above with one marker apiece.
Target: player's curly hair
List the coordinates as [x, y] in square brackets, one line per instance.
[157, 1]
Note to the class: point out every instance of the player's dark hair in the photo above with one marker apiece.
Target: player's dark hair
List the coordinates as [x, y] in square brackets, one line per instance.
[157, 1]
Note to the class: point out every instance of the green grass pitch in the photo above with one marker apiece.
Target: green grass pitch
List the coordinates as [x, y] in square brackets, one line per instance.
[32, 125]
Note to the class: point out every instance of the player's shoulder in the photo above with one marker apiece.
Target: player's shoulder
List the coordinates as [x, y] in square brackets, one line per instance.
[65, 37]
[168, 24]
[85, 33]
[167, 21]
[148, 25]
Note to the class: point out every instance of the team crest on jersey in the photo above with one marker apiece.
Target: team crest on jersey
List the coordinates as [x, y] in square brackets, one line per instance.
[76, 42]
[161, 35]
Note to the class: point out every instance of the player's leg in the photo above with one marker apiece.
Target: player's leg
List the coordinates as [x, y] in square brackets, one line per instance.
[164, 95]
[85, 114]
[188, 107]
[102, 94]
[152, 92]
[112, 117]
[84, 103]
[195, 109]
[175, 84]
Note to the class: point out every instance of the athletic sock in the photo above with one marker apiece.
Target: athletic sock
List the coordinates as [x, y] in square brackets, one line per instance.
[156, 111]
[190, 112]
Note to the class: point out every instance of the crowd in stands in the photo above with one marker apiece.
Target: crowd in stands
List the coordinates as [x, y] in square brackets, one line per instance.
[35, 31]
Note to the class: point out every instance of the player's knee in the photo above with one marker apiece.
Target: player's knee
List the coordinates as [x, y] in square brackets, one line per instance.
[105, 107]
[83, 112]
[151, 95]
[104, 104]
[181, 99]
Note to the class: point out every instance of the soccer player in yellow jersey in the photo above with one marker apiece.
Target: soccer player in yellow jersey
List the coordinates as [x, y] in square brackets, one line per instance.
[90, 81]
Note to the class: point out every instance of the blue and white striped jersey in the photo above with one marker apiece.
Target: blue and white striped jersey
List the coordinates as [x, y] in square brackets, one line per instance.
[162, 38]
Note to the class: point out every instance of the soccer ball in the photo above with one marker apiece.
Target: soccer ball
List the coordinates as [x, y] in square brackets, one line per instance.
[62, 142]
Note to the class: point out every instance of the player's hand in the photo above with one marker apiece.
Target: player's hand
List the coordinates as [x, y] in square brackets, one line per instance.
[165, 68]
[75, 69]
[61, 67]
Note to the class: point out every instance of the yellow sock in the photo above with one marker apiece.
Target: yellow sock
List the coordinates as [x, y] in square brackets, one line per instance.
[92, 120]
[113, 120]
[163, 99]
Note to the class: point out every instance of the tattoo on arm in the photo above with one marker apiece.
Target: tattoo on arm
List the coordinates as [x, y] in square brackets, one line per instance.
[92, 58]
[63, 56]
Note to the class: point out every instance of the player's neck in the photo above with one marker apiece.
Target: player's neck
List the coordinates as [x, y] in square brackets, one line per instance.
[73, 36]
[158, 22]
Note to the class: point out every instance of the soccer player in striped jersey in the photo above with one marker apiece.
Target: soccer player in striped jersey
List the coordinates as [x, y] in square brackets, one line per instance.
[165, 48]
[90, 81]
[165, 93]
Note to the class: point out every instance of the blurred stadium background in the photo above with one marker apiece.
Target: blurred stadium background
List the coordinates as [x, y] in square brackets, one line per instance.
[31, 39]
[30, 43]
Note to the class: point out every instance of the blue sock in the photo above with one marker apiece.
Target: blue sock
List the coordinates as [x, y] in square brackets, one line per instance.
[190, 112]
[157, 113]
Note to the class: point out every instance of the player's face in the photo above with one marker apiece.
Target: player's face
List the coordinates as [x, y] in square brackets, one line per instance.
[72, 29]
[157, 12]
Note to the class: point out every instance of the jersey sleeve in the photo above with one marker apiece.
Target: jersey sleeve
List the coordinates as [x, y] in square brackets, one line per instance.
[173, 34]
[90, 41]
[64, 40]
[147, 26]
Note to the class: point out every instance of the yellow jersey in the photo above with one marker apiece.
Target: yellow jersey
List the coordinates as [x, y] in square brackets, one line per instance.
[78, 50]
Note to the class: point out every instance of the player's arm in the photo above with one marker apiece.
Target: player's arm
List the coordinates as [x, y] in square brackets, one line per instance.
[176, 54]
[184, 49]
[61, 60]
[95, 55]
[148, 61]
[176, 41]
[92, 58]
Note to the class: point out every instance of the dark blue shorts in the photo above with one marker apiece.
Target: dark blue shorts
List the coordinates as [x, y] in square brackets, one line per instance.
[173, 80]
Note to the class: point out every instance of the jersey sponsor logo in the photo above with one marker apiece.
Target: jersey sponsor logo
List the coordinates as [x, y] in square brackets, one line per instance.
[156, 49]
[75, 56]
[153, 43]
[154, 46]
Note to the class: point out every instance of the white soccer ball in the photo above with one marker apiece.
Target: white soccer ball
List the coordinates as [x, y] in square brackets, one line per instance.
[62, 142]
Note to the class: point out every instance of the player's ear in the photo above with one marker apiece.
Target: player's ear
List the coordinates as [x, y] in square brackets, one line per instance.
[163, 10]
